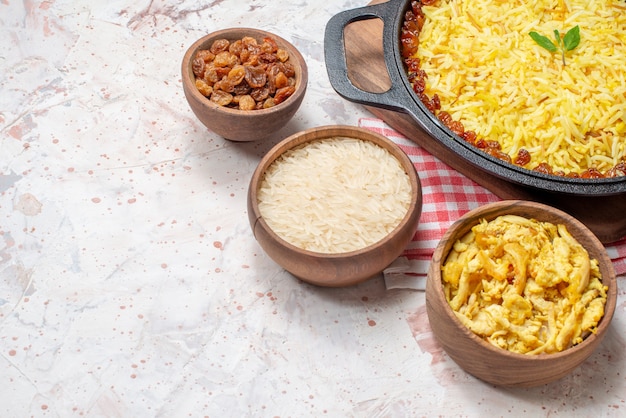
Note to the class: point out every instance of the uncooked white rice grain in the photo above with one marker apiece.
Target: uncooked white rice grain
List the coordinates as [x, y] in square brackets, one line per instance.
[334, 195]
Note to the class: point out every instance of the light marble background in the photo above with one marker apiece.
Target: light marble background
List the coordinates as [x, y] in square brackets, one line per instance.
[130, 282]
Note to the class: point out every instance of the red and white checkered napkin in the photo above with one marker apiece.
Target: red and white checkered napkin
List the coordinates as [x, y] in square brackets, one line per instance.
[447, 195]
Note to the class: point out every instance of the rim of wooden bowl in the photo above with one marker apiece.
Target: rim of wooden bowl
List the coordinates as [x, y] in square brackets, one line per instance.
[331, 131]
[540, 212]
[233, 34]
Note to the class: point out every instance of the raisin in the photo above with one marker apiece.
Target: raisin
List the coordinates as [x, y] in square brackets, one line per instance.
[251, 45]
[210, 74]
[266, 58]
[288, 69]
[494, 152]
[236, 74]
[269, 102]
[255, 76]
[543, 168]
[409, 39]
[246, 102]
[221, 98]
[283, 94]
[236, 47]
[282, 55]
[413, 67]
[591, 173]
[197, 66]
[219, 45]
[222, 71]
[225, 59]
[445, 117]
[436, 102]
[225, 84]
[203, 87]
[248, 41]
[281, 80]
[457, 127]
[617, 171]
[205, 55]
[260, 94]
[242, 89]
[252, 59]
[269, 45]
[419, 85]
[244, 56]
[271, 72]
[430, 104]
[493, 145]
[469, 136]
[523, 157]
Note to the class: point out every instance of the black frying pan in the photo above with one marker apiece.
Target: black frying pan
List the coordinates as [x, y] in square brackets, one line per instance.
[400, 97]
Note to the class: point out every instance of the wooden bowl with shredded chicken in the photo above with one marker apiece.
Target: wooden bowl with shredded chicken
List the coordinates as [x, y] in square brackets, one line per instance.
[520, 293]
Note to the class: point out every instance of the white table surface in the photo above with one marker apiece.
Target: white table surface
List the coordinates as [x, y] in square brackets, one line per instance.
[130, 282]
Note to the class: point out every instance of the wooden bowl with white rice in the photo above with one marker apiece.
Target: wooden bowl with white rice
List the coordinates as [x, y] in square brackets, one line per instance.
[334, 205]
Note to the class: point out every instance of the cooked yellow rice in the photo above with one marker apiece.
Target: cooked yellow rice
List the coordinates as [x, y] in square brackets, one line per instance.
[490, 75]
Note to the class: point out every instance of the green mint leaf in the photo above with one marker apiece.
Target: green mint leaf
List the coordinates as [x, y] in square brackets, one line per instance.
[564, 44]
[571, 38]
[557, 36]
[543, 41]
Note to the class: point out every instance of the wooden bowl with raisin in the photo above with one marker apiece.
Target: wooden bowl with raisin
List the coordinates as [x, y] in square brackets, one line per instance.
[244, 84]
